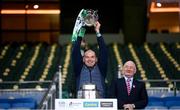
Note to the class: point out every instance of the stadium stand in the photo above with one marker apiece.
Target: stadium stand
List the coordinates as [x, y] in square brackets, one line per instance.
[39, 62]
[35, 49]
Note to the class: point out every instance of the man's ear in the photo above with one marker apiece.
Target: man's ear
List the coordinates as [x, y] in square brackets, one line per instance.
[123, 70]
[135, 70]
[83, 58]
[96, 59]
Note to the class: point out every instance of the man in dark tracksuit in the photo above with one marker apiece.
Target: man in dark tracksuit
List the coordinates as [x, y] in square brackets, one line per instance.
[89, 68]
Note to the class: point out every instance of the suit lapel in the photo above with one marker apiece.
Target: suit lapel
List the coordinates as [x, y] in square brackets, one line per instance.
[133, 87]
[124, 86]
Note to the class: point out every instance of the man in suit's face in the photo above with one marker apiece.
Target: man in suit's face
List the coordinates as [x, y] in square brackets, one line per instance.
[129, 69]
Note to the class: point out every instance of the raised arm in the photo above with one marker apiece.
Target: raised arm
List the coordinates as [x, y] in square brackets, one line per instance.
[76, 53]
[103, 51]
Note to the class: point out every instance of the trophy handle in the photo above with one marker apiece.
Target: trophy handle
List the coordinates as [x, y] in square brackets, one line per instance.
[78, 24]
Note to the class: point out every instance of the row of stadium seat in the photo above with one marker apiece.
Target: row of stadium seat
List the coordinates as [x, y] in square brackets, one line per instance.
[19, 103]
[28, 62]
[165, 103]
[40, 61]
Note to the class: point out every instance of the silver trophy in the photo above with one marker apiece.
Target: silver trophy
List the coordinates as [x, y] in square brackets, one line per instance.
[86, 17]
[90, 17]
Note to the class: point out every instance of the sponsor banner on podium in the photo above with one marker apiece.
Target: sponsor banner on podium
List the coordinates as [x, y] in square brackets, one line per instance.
[85, 104]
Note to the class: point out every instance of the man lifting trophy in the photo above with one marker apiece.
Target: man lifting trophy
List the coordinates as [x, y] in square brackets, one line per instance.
[90, 70]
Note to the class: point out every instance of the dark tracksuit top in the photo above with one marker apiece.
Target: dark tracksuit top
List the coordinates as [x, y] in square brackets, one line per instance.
[78, 64]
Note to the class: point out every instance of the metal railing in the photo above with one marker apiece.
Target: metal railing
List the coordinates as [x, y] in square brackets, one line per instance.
[34, 93]
[54, 91]
[174, 89]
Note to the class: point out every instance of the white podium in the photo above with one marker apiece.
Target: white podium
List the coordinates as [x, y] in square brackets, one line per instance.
[85, 104]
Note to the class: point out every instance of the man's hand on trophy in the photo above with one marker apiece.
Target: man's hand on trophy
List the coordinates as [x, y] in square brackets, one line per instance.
[97, 26]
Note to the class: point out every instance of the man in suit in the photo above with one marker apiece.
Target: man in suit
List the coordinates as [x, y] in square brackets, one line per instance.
[130, 93]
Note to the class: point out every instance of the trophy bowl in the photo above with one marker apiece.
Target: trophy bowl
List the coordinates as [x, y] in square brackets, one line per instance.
[90, 18]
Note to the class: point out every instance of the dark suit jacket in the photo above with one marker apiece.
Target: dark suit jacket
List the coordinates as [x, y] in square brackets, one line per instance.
[138, 95]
